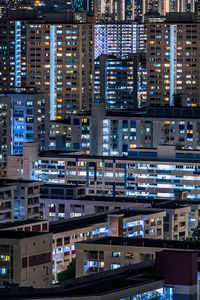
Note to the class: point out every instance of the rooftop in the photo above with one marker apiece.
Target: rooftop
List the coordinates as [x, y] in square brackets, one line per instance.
[139, 154]
[61, 186]
[18, 235]
[163, 203]
[144, 242]
[20, 223]
[7, 182]
[89, 220]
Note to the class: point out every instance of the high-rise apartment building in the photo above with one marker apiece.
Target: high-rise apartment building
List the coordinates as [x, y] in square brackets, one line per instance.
[87, 5]
[110, 10]
[116, 81]
[120, 10]
[54, 57]
[173, 58]
[24, 117]
[119, 39]
[8, 7]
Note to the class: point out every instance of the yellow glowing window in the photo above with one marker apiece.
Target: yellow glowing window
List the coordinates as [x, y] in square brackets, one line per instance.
[167, 122]
[29, 120]
[59, 117]
[99, 164]
[59, 100]
[82, 163]
[84, 120]
[132, 145]
[129, 255]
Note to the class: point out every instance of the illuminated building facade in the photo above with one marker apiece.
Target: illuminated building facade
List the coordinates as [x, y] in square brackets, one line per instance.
[26, 259]
[114, 132]
[24, 117]
[119, 39]
[173, 63]
[157, 173]
[19, 200]
[67, 233]
[120, 10]
[50, 58]
[87, 5]
[117, 252]
[67, 49]
[116, 82]
[8, 7]
[7, 202]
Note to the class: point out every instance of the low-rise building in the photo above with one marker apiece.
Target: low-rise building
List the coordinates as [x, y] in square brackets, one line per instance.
[115, 252]
[7, 201]
[66, 233]
[176, 222]
[24, 199]
[55, 201]
[148, 280]
[181, 216]
[152, 173]
[25, 258]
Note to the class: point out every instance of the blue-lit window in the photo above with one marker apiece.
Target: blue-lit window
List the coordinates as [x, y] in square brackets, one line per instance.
[29, 103]
[114, 266]
[3, 271]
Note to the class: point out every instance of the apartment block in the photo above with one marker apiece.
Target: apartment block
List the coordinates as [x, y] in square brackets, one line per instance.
[5, 136]
[7, 202]
[157, 173]
[132, 223]
[26, 259]
[119, 39]
[27, 200]
[60, 134]
[85, 205]
[110, 253]
[23, 196]
[101, 132]
[49, 56]
[176, 222]
[54, 201]
[173, 61]
[24, 117]
[117, 82]
[182, 216]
